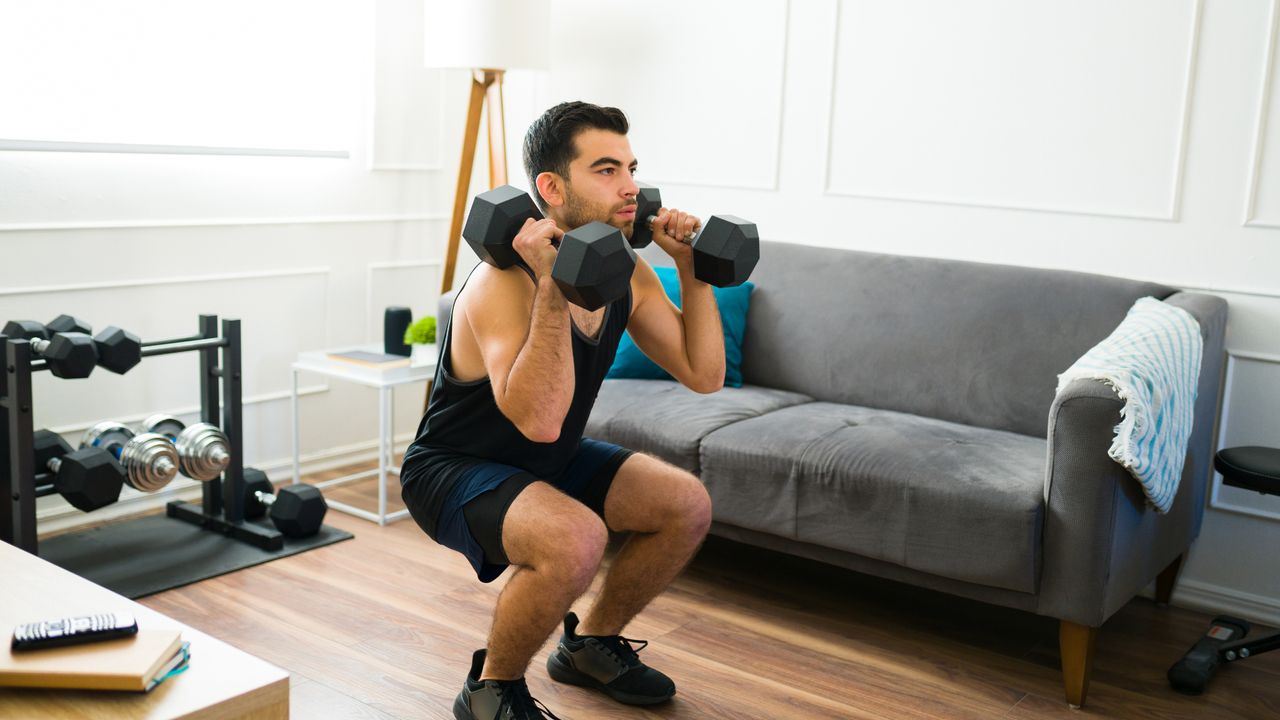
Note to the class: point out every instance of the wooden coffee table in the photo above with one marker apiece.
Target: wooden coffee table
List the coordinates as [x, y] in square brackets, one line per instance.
[222, 682]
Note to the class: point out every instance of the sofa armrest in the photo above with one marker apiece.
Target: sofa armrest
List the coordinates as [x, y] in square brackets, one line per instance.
[1102, 543]
[444, 313]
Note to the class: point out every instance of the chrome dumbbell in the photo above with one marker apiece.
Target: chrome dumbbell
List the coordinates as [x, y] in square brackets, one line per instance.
[150, 460]
[202, 448]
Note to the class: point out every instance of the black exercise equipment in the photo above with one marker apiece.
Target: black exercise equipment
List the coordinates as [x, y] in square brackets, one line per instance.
[69, 323]
[725, 250]
[118, 350]
[69, 355]
[76, 354]
[1251, 468]
[88, 479]
[202, 447]
[150, 460]
[218, 377]
[296, 510]
[594, 263]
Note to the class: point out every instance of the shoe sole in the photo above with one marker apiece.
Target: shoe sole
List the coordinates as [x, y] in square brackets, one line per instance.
[561, 671]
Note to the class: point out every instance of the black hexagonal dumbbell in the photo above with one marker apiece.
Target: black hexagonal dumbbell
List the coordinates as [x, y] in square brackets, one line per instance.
[88, 478]
[115, 349]
[725, 251]
[118, 349]
[69, 354]
[594, 264]
[68, 323]
[296, 510]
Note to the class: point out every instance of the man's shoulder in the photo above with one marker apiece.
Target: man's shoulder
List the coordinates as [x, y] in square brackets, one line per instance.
[491, 290]
[488, 280]
[644, 282]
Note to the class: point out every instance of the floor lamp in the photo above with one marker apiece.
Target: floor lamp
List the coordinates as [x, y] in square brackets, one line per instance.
[487, 37]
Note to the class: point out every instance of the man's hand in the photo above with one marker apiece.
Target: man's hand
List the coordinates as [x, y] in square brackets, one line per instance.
[672, 230]
[536, 243]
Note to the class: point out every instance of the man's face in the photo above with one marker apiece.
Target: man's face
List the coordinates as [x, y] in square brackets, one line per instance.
[600, 185]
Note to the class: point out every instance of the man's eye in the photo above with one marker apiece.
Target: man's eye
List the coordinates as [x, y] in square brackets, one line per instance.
[607, 171]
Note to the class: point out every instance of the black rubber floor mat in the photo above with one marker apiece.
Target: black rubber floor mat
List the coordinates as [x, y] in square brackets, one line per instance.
[141, 557]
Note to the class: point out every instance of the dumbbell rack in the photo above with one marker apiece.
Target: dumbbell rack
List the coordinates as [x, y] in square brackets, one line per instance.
[222, 509]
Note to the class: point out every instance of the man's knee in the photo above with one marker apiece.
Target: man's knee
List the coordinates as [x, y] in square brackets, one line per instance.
[573, 550]
[568, 543]
[693, 509]
[684, 505]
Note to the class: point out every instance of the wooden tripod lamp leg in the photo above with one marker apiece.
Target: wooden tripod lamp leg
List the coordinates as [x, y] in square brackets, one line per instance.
[470, 135]
[497, 131]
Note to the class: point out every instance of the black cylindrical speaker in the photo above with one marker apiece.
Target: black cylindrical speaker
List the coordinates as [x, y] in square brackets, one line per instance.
[394, 322]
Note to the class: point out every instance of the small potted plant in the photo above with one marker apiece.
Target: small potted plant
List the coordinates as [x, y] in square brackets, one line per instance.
[421, 332]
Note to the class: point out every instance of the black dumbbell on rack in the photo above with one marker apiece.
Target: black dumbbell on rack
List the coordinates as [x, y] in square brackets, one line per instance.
[202, 447]
[150, 460]
[296, 510]
[65, 344]
[88, 478]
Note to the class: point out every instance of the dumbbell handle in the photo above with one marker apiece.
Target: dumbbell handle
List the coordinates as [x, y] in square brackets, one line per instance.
[48, 488]
[688, 239]
[265, 498]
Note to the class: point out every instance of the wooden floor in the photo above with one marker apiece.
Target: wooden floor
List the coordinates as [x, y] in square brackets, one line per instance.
[383, 626]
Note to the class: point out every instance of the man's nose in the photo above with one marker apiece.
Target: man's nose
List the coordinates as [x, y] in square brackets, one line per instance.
[630, 189]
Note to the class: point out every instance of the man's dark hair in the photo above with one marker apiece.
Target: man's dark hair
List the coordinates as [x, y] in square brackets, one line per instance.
[548, 145]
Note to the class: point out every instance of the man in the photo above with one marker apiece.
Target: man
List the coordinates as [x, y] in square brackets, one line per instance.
[500, 470]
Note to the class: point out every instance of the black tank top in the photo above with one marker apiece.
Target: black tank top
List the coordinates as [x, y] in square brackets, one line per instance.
[463, 418]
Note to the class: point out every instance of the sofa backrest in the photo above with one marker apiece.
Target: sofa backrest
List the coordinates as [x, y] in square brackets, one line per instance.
[973, 343]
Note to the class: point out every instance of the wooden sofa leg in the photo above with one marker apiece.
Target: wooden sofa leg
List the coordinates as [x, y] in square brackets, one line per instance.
[1075, 643]
[1166, 580]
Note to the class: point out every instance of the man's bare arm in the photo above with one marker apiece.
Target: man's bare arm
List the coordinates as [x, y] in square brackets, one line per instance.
[689, 344]
[525, 339]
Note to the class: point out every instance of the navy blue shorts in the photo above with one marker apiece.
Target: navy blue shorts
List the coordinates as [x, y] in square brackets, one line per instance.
[471, 517]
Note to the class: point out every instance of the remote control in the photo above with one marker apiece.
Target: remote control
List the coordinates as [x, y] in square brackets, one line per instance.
[73, 630]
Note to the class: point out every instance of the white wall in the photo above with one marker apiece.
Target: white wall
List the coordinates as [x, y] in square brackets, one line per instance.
[307, 251]
[1137, 138]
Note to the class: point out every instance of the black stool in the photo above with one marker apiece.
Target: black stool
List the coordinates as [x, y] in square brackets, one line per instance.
[1251, 468]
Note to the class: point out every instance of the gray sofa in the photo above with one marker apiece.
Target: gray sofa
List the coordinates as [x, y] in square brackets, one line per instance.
[899, 418]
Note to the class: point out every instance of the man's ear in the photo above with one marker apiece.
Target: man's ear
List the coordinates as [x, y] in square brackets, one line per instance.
[551, 188]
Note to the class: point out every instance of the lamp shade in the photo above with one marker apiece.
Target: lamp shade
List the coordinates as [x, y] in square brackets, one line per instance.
[491, 34]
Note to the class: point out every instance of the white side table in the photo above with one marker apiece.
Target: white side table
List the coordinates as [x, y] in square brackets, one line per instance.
[422, 367]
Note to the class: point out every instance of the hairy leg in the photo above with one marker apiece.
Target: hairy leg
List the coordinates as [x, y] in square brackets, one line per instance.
[555, 544]
[668, 512]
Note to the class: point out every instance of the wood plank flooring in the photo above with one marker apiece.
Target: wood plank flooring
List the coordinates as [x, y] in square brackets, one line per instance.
[383, 627]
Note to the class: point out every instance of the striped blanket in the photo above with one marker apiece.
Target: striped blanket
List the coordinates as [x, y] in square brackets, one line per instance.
[1153, 361]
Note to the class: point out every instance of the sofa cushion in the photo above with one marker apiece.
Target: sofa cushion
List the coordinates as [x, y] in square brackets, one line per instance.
[668, 420]
[962, 502]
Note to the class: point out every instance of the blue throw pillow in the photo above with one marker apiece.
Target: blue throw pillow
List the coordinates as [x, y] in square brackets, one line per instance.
[630, 362]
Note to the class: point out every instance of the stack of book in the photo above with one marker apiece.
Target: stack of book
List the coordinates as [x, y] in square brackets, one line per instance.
[137, 663]
[381, 361]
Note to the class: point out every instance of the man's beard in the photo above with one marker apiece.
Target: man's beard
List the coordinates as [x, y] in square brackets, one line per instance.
[579, 212]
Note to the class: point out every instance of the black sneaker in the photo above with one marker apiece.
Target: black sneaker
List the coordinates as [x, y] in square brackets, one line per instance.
[609, 663]
[496, 699]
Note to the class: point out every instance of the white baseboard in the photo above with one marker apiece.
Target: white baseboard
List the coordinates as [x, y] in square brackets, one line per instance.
[1207, 597]
[57, 515]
